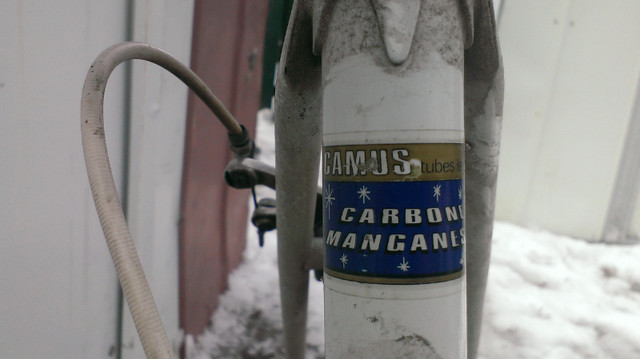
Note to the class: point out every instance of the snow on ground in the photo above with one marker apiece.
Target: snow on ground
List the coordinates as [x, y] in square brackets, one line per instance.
[551, 296]
[548, 296]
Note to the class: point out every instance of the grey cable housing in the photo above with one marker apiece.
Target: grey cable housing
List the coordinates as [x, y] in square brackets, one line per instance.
[121, 247]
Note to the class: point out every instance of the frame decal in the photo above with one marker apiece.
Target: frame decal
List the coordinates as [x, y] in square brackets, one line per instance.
[394, 213]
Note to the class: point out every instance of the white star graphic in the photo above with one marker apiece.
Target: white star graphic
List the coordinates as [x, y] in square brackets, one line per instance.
[460, 193]
[363, 193]
[328, 198]
[404, 265]
[344, 260]
[436, 192]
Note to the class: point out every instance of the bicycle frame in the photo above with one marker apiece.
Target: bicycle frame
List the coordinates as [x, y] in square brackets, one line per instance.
[411, 94]
[419, 82]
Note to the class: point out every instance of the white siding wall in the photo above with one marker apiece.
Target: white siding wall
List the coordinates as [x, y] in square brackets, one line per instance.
[634, 232]
[58, 291]
[571, 70]
[57, 288]
[158, 113]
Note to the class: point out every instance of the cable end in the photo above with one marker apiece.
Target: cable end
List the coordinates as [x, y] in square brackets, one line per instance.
[241, 144]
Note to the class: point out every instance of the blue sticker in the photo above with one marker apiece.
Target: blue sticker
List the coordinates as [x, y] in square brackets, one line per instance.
[394, 232]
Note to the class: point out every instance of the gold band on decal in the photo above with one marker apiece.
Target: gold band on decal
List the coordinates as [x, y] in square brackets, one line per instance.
[400, 280]
[393, 162]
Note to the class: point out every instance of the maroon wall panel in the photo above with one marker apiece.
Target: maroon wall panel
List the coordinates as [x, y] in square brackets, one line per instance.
[245, 104]
[228, 38]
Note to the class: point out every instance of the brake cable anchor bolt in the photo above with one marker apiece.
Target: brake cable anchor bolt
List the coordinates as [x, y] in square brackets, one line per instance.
[264, 217]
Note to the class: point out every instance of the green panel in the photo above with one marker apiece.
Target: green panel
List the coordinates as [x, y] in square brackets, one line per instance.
[279, 11]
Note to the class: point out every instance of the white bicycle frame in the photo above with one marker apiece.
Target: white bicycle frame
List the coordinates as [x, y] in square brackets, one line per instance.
[410, 96]
[421, 83]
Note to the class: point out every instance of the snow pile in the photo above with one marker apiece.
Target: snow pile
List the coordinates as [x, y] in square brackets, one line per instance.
[247, 323]
[551, 296]
[548, 296]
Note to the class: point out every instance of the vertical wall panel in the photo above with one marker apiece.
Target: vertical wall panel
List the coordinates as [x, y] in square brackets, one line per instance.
[634, 231]
[529, 72]
[58, 291]
[202, 249]
[248, 79]
[158, 118]
[571, 69]
[228, 38]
